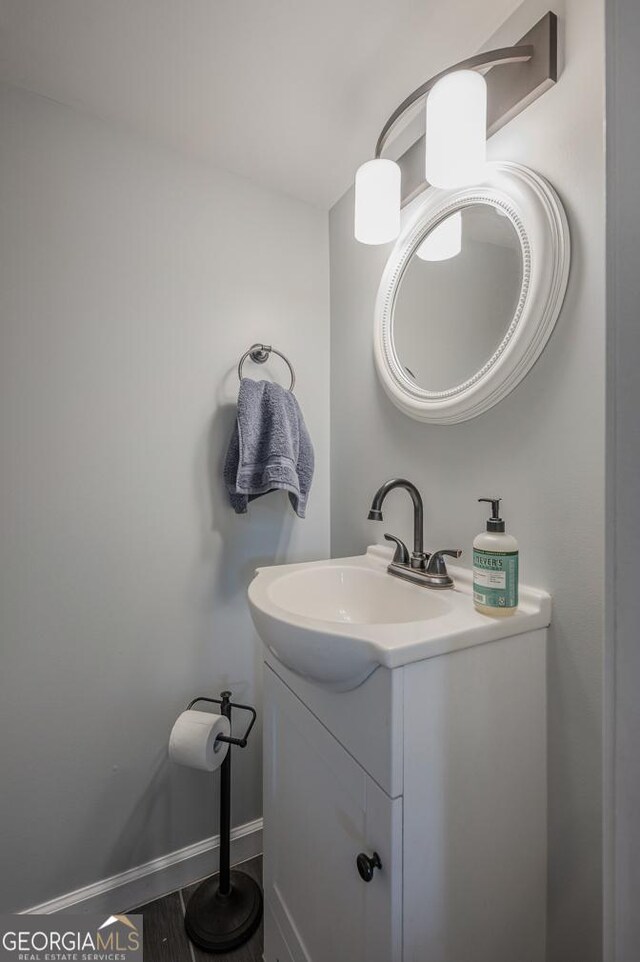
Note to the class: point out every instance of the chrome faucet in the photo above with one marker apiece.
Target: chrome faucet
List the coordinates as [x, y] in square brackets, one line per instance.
[419, 567]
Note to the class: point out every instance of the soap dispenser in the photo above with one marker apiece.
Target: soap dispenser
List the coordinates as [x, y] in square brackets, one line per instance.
[495, 567]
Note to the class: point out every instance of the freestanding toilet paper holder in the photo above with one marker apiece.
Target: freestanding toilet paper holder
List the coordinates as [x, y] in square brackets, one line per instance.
[225, 911]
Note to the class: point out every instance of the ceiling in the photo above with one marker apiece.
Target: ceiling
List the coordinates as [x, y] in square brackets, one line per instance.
[290, 93]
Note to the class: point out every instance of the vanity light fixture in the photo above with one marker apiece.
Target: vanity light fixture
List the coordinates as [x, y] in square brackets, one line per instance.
[377, 202]
[465, 104]
[456, 130]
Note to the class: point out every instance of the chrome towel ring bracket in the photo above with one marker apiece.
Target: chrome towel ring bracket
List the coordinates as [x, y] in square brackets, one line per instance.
[259, 353]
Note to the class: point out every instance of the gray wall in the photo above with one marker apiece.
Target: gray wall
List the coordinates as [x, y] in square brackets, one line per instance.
[622, 716]
[541, 449]
[130, 282]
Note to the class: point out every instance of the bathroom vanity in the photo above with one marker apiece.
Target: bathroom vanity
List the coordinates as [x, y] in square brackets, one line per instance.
[405, 792]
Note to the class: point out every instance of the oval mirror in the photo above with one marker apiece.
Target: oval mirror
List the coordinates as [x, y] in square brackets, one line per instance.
[470, 294]
[457, 297]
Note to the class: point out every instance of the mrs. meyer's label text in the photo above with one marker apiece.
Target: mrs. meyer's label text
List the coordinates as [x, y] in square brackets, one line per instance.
[495, 578]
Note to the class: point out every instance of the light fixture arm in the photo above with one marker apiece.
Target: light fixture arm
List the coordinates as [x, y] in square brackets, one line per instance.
[480, 62]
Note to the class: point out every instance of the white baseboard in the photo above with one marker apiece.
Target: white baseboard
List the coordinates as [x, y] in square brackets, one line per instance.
[171, 872]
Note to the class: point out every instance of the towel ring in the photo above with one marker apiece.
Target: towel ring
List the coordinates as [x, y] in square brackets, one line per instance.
[259, 354]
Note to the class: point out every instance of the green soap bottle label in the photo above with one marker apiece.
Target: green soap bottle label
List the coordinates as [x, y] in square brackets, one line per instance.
[495, 578]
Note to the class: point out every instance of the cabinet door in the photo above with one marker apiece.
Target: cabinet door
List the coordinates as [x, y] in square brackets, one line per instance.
[321, 810]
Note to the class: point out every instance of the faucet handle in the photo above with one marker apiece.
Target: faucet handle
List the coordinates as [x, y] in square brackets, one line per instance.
[437, 565]
[401, 555]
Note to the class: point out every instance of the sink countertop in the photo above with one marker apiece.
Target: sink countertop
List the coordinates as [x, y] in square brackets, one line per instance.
[401, 623]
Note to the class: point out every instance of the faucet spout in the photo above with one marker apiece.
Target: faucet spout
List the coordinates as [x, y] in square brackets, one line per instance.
[375, 513]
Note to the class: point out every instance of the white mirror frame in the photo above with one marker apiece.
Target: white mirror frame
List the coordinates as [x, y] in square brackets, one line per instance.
[541, 224]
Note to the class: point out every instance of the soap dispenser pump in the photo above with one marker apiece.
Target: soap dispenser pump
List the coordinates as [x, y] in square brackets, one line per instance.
[495, 567]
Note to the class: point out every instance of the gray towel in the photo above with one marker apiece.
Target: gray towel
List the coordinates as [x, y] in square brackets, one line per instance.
[270, 448]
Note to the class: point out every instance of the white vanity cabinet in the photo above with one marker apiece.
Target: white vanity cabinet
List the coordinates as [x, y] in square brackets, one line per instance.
[321, 810]
[439, 766]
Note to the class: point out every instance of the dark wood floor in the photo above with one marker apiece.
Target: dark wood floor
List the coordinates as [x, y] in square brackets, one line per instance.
[165, 939]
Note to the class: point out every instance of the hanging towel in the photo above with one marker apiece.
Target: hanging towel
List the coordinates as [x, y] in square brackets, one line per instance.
[270, 448]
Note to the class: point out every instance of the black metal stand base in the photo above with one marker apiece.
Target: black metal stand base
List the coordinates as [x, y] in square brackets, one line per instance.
[221, 923]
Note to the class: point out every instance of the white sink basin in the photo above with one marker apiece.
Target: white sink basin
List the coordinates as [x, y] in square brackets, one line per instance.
[352, 594]
[334, 622]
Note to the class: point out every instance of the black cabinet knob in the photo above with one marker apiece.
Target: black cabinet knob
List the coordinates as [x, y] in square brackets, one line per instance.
[366, 865]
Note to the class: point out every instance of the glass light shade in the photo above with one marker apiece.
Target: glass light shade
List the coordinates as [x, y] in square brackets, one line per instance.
[377, 209]
[444, 241]
[456, 130]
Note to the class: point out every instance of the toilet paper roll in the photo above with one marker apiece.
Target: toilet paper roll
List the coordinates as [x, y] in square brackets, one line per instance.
[193, 740]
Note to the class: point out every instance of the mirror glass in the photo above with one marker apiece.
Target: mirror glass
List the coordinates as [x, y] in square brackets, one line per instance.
[457, 297]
